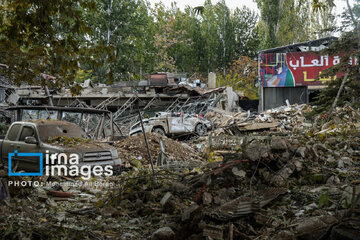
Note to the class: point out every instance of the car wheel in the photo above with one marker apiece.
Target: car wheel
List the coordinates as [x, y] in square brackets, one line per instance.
[158, 131]
[201, 129]
[135, 134]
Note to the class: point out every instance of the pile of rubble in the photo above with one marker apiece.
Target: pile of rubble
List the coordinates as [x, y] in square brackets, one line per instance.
[285, 118]
[275, 187]
[133, 149]
[266, 185]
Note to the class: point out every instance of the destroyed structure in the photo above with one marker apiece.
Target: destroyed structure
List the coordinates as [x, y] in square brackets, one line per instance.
[277, 174]
[161, 92]
[273, 175]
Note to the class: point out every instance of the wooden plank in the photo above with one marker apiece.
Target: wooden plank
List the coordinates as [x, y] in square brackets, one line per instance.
[258, 126]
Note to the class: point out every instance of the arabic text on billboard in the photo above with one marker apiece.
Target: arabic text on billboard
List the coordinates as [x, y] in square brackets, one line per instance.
[296, 69]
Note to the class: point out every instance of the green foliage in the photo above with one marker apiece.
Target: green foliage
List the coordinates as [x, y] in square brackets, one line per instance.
[83, 75]
[118, 24]
[270, 16]
[66, 141]
[202, 39]
[117, 40]
[286, 22]
[107, 40]
[350, 94]
[241, 75]
[46, 37]
[324, 199]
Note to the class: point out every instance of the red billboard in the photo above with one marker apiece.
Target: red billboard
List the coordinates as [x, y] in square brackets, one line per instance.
[296, 69]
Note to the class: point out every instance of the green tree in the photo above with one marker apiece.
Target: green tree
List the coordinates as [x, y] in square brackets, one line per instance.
[31, 42]
[285, 22]
[268, 26]
[323, 21]
[345, 89]
[210, 35]
[118, 24]
[226, 36]
[246, 32]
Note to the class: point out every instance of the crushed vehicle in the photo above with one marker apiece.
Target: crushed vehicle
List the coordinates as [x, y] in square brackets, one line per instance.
[53, 136]
[173, 124]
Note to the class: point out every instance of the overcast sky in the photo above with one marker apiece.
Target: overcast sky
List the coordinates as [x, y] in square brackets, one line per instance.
[232, 4]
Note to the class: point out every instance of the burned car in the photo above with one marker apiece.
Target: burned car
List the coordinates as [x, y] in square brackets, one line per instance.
[53, 136]
[173, 124]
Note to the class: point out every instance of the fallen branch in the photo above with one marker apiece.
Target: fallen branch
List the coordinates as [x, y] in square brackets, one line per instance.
[338, 93]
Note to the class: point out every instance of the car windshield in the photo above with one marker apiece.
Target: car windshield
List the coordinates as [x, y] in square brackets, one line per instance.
[51, 131]
[29, 114]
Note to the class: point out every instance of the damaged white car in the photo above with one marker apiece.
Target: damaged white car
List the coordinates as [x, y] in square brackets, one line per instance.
[173, 124]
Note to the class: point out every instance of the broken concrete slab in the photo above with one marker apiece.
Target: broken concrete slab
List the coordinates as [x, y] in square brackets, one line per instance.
[164, 233]
[314, 227]
[166, 198]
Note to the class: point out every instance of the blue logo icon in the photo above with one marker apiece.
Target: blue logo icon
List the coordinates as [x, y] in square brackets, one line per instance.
[16, 154]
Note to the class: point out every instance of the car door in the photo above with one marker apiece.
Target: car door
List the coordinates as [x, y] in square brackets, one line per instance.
[28, 163]
[190, 123]
[176, 124]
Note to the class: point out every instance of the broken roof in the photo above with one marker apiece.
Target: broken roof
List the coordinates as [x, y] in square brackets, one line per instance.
[192, 91]
[296, 47]
[65, 109]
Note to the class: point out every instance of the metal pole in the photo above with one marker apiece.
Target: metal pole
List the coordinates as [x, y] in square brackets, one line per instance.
[146, 142]
[49, 96]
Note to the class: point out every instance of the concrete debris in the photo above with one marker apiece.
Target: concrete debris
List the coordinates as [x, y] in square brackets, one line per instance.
[164, 233]
[296, 180]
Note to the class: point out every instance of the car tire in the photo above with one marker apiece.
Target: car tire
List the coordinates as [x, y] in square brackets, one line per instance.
[201, 129]
[135, 134]
[159, 131]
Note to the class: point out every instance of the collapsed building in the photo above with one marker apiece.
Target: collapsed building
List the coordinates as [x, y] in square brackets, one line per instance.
[166, 92]
[273, 175]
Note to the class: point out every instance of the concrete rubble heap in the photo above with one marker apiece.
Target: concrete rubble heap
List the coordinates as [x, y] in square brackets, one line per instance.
[290, 179]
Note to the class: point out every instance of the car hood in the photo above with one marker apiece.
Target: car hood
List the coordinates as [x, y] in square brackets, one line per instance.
[83, 147]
